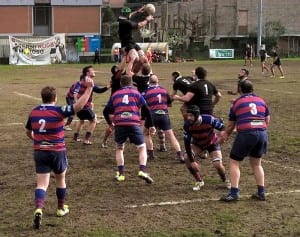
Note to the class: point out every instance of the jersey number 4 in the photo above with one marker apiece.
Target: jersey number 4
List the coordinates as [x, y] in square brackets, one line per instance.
[125, 99]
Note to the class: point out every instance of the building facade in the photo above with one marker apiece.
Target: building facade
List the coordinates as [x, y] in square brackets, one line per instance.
[209, 23]
[49, 17]
[227, 23]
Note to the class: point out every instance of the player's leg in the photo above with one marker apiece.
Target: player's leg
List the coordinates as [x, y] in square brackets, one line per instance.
[272, 70]
[148, 137]
[162, 140]
[281, 71]
[149, 144]
[79, 125]
[234, 169]
[60, 169]
[174, 142]
[136, 137]
[194, 168]
[259, 175]
[120, 139]
[91, 116]
[43, 169]
[108, 132]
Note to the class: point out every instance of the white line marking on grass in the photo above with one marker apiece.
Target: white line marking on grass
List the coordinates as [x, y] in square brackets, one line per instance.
[27, 96]
[282, 92]
[172, 203]
[11, 124]
[283, 167]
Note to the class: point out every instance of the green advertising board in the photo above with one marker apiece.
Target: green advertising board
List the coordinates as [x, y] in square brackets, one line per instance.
[221, 53]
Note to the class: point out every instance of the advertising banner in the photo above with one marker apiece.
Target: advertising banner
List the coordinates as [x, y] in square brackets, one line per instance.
[88, 43]
[221, 53]
[42, 52]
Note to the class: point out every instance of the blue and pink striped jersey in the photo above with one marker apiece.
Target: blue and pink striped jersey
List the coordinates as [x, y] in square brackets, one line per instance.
[47, 121]
[249, 112]
[157, 98]
[203, 134]
[82, 88]
[74, 90]
[126, 103]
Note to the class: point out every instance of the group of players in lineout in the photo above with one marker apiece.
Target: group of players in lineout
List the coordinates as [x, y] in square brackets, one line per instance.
[138, 112]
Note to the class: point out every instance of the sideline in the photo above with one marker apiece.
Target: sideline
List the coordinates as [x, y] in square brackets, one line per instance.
[170, 203]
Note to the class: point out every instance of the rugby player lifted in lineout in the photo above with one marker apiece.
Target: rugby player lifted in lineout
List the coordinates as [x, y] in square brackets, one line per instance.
[130, 48]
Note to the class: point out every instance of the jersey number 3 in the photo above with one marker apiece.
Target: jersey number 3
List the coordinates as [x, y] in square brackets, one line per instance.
[253, 108]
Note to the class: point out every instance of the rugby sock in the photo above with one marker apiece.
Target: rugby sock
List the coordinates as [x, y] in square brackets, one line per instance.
[61, 194]
[40, 196]
[162, 138]
[88, 135]
[69, 121]
[260, 189]
[76, 135]
[150, 153]
[234, 191]
[179, 154]
[121, 169]
[143, 168]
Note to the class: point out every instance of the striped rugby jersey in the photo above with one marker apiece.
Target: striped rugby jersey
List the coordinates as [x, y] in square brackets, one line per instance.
[157, 98]
[203, 134]
[249, 112]
[126, 103]
[47, 121]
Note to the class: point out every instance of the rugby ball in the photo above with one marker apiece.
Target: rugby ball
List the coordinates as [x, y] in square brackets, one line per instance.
[150, 9]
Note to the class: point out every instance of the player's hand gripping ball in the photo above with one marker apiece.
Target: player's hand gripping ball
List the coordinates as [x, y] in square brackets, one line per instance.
[150, 9]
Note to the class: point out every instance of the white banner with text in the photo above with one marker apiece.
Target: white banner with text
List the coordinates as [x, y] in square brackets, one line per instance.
[37, 52]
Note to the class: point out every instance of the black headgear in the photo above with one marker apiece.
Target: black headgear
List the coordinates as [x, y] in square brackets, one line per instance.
[114, 69]
[175, 74]
[194, 109]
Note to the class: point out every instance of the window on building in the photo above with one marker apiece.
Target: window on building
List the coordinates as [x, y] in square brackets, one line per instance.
[42, 20]
[243, 22]
[41, 15]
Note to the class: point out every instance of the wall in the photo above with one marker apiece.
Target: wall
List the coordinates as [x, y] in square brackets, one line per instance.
[16, 20]
[76, 20]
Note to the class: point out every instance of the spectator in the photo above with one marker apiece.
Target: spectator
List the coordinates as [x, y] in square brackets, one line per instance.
[97, 56]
